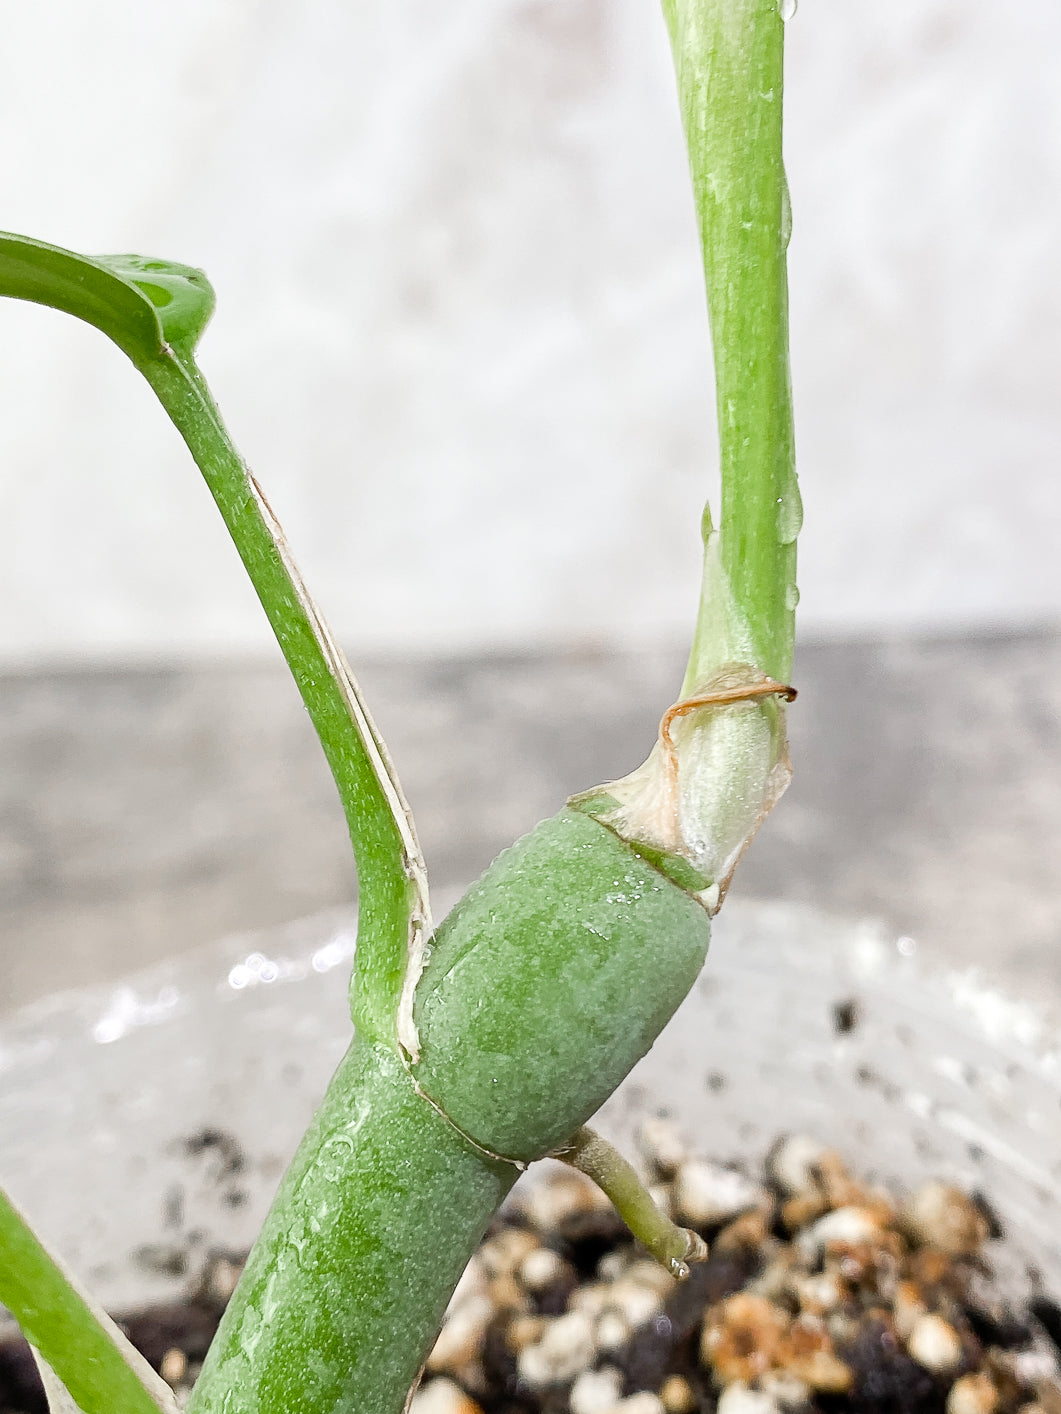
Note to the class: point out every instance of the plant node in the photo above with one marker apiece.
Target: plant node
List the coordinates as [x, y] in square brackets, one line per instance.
[719, 765]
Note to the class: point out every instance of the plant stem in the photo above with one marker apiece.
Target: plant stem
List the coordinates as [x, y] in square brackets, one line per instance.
[95, 1362]
[155, 311]
[550, 978]
[389, 884]
[728, 57]
[543, 990]
[545, 985]
[345, 1290]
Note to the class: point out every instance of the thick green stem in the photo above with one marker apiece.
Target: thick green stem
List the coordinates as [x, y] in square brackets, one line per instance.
[549, 980]
[553, 975]
[346, 1287]
[728, 57]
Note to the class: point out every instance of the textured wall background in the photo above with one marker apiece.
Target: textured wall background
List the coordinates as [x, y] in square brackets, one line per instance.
[461, 332]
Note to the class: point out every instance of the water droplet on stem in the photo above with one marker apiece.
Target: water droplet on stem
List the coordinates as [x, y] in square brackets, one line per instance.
[789, 516]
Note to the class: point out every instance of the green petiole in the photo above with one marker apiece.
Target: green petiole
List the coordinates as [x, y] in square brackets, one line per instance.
[81, 1344]
[156, 311]
[393, 911]
[728, 56]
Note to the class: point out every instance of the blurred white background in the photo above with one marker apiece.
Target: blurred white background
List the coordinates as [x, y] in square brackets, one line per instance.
[461, 332]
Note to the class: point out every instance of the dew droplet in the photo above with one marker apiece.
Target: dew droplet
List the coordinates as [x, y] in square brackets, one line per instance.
[786, 215]
[789, 516]
[791, 596]
[787, 9]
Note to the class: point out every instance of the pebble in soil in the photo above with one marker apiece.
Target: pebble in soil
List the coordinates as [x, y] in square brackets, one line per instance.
[820, 1295]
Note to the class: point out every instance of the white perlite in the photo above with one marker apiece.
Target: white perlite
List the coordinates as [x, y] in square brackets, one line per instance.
[935, 1344]
[461, 1336]
[540, 1268]
[596, 1391]
[567, 1347]
[973, 1394]
[709, 1193]
[738, 1398]
[644, 1402]
[851, 1225]
[442, 1397]
[662, 1145]
[944, 1216]
[792, 1161]
[546, 1204]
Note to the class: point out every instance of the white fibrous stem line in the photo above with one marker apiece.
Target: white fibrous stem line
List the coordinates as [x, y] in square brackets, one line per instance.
[408, 1035]
[420, 926]
[60, 1400]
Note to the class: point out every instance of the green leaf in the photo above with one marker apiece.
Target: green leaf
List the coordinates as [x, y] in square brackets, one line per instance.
[181, 296]
[142, 304]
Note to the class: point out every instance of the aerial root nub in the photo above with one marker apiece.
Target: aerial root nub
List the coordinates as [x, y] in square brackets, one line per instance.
[673, 1246]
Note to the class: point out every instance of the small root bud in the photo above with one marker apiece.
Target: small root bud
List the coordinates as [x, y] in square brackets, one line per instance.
[672, 1246]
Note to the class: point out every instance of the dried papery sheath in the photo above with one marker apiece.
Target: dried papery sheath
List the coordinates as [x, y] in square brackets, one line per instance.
[720, 763]
[719, 766]
[60, 1400]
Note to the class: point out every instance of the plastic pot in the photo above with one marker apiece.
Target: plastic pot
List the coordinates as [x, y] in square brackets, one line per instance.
[146, 1123]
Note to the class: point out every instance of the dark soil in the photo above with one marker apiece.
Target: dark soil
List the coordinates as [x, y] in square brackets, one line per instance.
[820, 1295]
